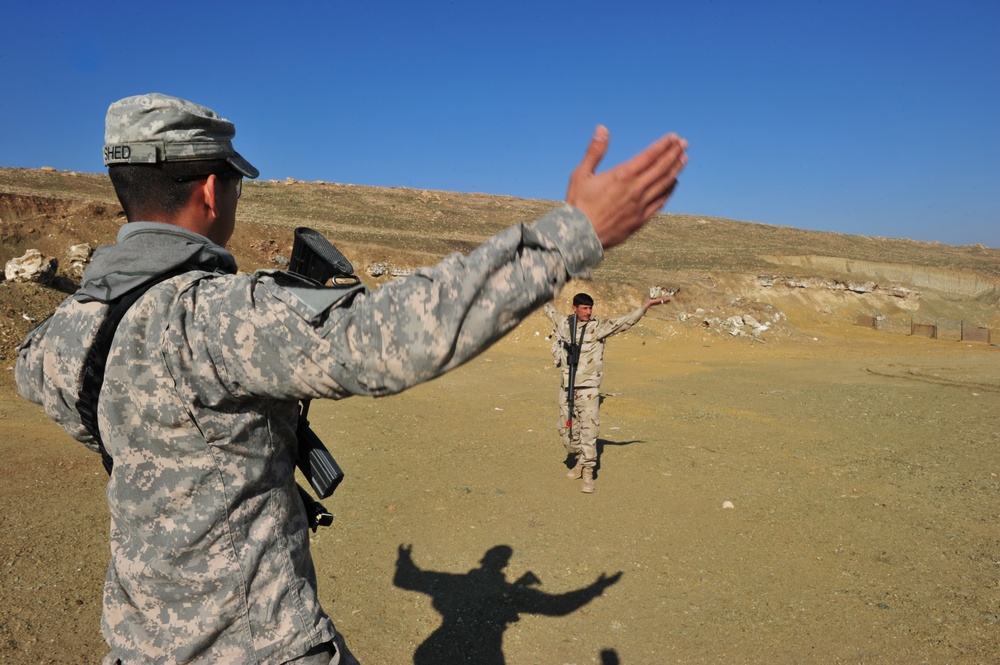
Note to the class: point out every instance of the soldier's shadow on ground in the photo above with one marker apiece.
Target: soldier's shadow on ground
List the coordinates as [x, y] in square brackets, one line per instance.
[476, 607]
[601, 443]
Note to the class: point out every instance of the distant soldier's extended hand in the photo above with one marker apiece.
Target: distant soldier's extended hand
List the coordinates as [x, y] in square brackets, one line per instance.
[620, 201]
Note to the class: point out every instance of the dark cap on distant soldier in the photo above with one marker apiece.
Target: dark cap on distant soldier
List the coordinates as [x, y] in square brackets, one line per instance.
[153, 128]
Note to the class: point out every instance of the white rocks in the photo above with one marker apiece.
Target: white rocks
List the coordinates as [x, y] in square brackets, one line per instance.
[78, 259]
[894, 290]
[31, 267]
[662, 291]
[382, 269]
[740, 326]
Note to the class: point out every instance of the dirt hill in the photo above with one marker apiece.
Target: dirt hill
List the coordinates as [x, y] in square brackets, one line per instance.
[719, 268]
[819, 492]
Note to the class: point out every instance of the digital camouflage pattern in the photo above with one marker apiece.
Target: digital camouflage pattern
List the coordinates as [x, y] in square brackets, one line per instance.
[209, 540]
[592, 337]
[151, 128]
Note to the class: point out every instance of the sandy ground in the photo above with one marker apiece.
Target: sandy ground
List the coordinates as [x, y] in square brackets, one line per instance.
[862, 468]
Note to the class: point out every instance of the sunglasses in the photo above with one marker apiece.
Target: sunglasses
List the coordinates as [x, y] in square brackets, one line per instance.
[224, 175]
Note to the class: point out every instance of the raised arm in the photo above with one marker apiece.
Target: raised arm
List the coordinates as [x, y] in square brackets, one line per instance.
[554, 315]
[414, 329]
[621, 200]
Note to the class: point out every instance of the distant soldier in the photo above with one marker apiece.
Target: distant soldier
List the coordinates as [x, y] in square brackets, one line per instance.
[582, 371]
[210, 557]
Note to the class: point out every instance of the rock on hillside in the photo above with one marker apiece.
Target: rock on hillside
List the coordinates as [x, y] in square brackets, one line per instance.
[718, 268]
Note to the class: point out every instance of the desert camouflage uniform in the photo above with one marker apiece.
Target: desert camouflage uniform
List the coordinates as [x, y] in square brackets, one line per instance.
[592, 336]
[210, 554]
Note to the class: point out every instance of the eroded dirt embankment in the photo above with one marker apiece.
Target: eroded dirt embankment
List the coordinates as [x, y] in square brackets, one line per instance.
[957, 282]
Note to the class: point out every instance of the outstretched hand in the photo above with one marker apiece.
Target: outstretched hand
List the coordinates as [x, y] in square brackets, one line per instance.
[620, 201]
[603, 582]
[653, 302]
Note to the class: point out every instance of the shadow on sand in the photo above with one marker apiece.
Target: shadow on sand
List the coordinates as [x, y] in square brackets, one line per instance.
[570, 460]
[477, 606]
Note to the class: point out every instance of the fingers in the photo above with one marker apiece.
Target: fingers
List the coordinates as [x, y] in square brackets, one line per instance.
[657, 203]
[663, 158]
[651, 154]
[621, 200]
[660, 190]
[656, 168]
[596, 150]
[651, 175]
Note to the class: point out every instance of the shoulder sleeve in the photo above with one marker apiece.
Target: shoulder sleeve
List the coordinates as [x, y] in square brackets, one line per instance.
[607, 327]
[555, 317]
[50, 361]
[28, 371]
[265, 337]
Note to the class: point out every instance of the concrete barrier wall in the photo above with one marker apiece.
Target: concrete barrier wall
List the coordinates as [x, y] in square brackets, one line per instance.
[923, 330]
[948, 330]
[976, 335]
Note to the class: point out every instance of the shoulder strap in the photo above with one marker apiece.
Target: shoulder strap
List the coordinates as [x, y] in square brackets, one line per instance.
[92, 374]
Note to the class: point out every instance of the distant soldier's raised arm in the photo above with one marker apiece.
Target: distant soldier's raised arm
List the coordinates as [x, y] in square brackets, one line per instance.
[554, 316]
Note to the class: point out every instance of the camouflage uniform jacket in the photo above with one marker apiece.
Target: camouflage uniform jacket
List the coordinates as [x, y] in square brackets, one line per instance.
[209, 541]
[595, 333]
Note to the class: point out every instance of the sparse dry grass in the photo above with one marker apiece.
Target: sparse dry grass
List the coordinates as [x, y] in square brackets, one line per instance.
[714, 261]
[436, 223]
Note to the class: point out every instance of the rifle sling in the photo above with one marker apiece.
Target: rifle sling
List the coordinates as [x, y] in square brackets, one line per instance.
[573, 359]
[92, 373]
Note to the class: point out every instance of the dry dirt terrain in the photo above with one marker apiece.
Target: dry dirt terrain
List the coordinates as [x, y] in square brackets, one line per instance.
[861, 465]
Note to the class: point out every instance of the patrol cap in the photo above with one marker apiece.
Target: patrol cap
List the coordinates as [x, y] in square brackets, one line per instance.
[153, 128]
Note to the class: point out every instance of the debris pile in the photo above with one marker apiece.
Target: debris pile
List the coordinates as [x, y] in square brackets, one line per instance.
[31, 267]
[737, 325]
[894, 290]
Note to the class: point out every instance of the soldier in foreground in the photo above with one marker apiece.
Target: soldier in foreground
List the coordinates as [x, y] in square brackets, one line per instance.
[579, 350]
[199, 401]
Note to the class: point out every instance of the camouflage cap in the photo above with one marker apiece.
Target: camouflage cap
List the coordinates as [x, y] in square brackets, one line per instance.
[152, 128]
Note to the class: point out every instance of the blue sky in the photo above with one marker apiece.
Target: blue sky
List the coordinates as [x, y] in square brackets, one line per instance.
[878, 118]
